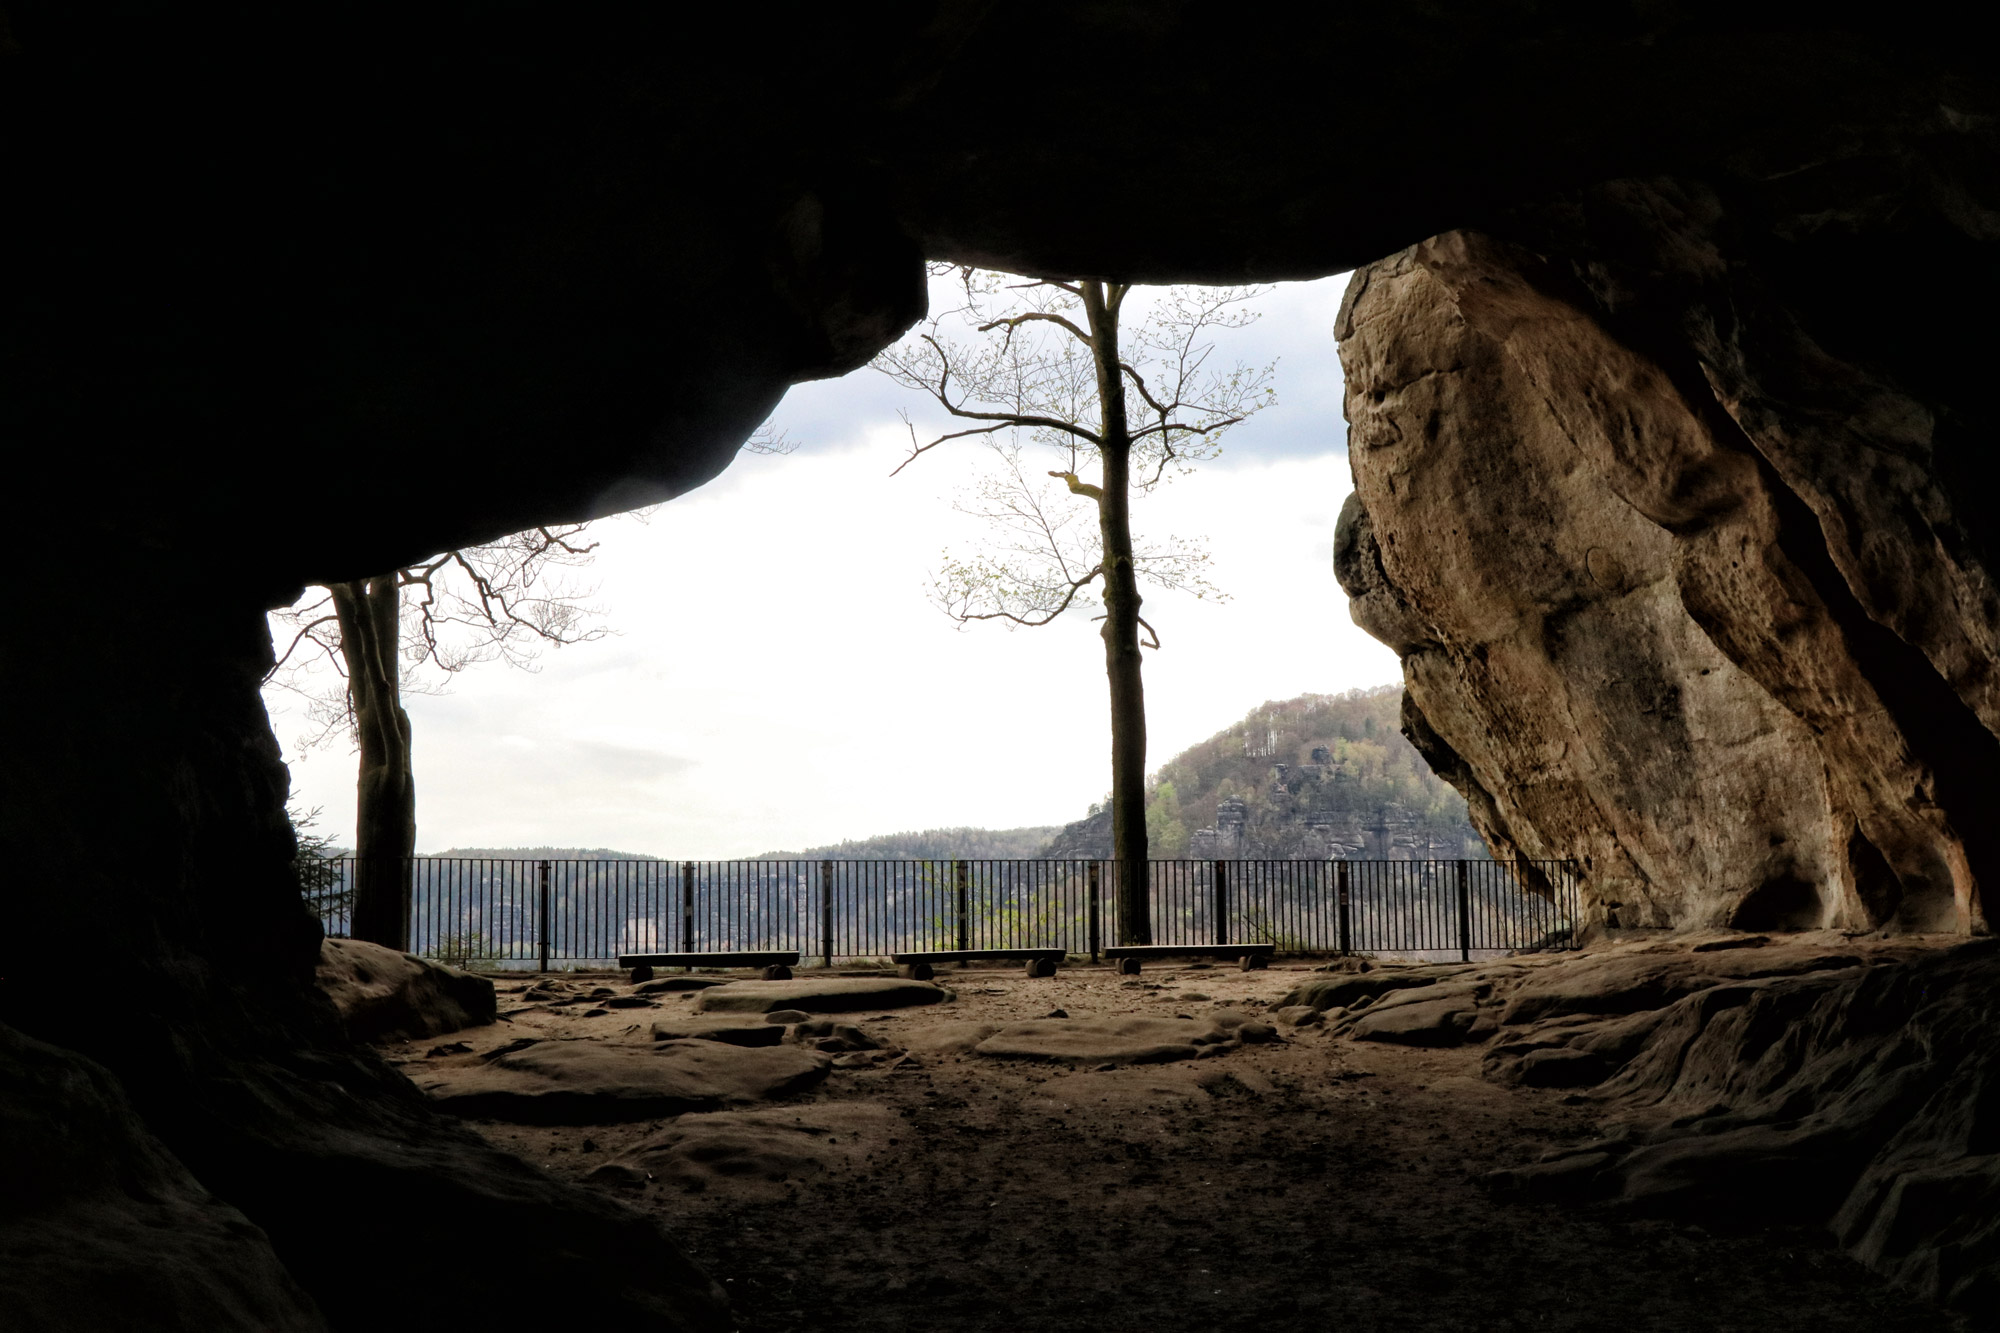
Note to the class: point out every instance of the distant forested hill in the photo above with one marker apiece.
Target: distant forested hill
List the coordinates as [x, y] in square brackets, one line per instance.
[541, 854]
[970, 844]
[1319, 775]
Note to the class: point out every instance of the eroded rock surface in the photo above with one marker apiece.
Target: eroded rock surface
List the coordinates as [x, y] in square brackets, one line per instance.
[1650, 617]
[590, 1083]
[767, 1146]
[1121, 1041]
[387, 995]
[1816, 1081]
[1858, 1096]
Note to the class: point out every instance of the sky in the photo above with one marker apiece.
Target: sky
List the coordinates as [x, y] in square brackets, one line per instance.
[776, 678]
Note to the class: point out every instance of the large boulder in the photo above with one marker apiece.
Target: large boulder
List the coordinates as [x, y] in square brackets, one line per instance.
[1678, 595]
[387, 995]
[597, 1083]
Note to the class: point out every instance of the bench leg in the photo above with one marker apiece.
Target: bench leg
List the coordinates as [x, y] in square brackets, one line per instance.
[916, 971]
[1041, 967]
[641, 973]
[777, 972]
[1128, 967]
[1253, 962]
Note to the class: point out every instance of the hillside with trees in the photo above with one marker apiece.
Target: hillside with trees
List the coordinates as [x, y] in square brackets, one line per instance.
[1319, 775]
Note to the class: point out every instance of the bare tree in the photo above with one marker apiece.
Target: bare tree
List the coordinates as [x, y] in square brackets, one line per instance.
[406, 631]
[1044, 364]
[396, 633]
[399, 632]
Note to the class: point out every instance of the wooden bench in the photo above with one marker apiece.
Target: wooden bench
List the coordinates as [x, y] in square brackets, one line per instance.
[917, 966]
[777, 963]
[1129, 956]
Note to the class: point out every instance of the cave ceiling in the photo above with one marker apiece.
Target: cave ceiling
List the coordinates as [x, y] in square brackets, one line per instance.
[428, 276]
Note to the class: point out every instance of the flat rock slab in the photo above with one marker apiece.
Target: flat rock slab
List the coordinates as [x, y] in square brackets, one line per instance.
[1114, 1041]
[734, 1031]
[755, 1151]
[829, 995]
[599, 1083]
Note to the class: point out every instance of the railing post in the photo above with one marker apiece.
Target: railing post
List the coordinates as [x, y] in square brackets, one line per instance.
[826, 914]
[542, 908]
[962, 873]
[687, 907]
[1096, 881]
[1342, 888]
[1221, 923]
[1464, 916]
[1573, 898]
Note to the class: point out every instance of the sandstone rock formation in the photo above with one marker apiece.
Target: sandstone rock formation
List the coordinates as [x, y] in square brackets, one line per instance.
[1811, 1080]
[1818, 1089]
[383, 994]
[1648, 619]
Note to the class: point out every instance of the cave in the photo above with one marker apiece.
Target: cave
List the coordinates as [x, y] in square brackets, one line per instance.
[1663, 359]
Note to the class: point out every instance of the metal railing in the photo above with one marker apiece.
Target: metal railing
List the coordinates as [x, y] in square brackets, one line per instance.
[537, 913]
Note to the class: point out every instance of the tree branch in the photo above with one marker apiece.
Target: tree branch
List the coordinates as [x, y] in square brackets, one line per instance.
[917, 449]
[1079, 487]
[305, 632]
[1183, 427]
[1043, 316]
[1075, 587]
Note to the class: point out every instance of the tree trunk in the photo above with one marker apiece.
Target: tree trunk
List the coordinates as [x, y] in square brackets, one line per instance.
[385, 811]
[1121, 623]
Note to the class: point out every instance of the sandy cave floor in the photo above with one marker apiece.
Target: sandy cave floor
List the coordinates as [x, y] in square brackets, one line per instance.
[1312, 1183]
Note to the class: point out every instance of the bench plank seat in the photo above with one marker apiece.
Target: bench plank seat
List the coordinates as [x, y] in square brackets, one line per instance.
[741, 958]
[1127, 957]
[968, 955]
[916, 965]
[1190, 950]
[777, 963]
